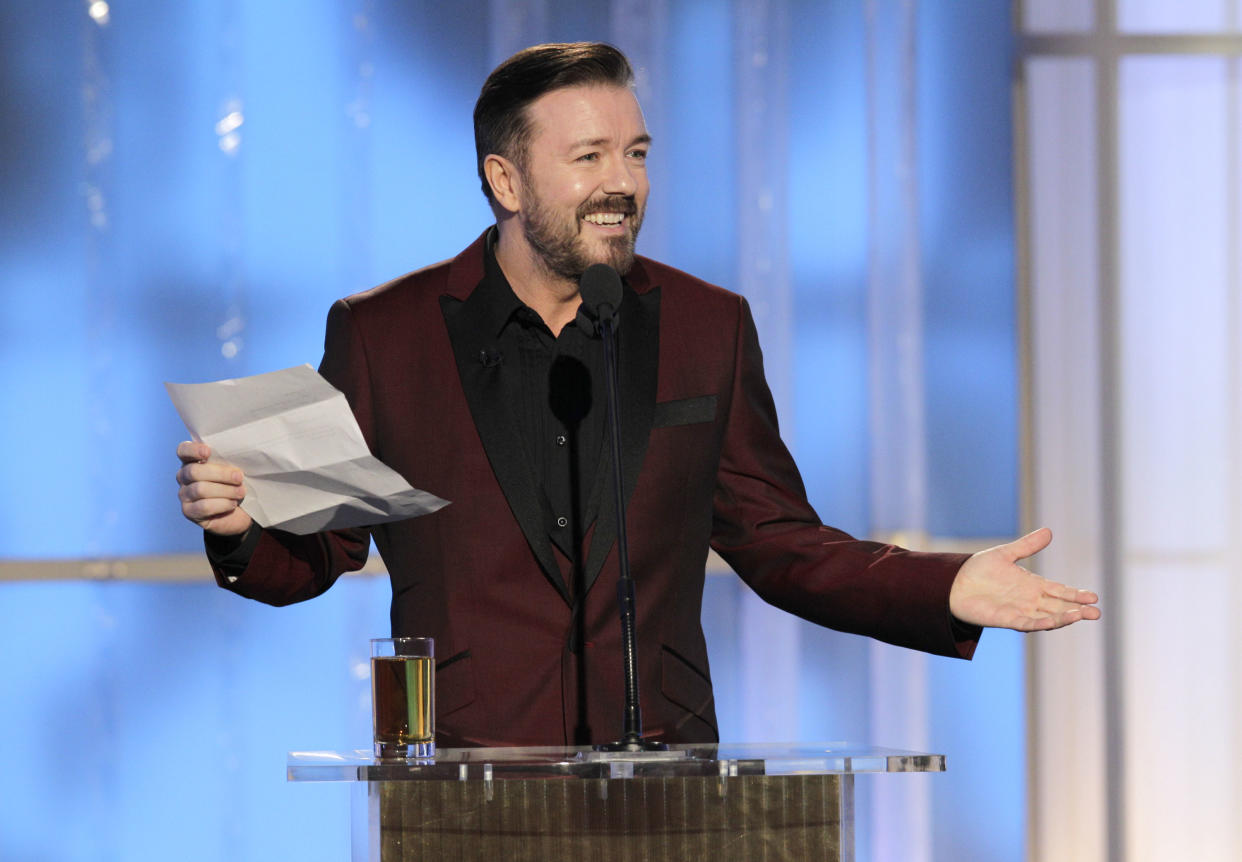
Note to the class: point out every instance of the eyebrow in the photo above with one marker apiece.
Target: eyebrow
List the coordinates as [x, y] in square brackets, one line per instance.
[599, 142]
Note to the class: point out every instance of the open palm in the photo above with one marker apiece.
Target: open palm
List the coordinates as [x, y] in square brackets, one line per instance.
[991, 589]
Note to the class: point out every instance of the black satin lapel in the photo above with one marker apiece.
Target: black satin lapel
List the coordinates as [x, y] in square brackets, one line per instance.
[480, 379]
[638, 363]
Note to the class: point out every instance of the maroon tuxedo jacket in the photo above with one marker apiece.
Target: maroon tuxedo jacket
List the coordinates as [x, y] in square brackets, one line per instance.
[526, 656]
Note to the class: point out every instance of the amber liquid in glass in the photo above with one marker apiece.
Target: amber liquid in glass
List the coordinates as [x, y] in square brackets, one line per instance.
[403, 699]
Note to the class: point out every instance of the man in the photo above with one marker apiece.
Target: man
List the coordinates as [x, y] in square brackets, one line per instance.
[476, 380]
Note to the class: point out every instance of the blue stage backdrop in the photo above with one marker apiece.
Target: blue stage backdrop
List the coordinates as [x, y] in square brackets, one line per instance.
[186, 188]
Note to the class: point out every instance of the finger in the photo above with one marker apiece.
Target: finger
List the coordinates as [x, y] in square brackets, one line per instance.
[1029, 545]
[1063, 613]
[1055, 620]
[1077, 615]
[1070, 594]
[199, 511]
[1065, 593]
[190, 451]
[212, 471]
[210, 491]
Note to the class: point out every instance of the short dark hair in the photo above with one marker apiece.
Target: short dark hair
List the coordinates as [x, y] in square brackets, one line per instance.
[501, 124]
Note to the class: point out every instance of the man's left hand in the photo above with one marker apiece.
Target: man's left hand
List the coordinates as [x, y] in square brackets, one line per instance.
[991, 589]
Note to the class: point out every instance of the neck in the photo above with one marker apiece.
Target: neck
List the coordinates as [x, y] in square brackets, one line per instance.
[554, 298]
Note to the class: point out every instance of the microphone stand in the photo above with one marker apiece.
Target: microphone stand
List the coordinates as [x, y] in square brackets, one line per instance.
[631, 739]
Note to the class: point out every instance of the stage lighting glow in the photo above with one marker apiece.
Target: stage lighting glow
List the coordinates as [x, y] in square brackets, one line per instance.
[99, 12]
[228, 125]
[229, 122]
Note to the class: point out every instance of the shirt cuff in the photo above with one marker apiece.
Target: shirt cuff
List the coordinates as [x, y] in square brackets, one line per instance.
[230, 555]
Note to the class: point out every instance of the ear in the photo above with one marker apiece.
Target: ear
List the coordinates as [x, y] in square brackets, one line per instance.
[502, 176]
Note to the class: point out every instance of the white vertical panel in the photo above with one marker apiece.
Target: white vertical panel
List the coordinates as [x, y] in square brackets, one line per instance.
[898, 463]
[895, 275]
[901, 811]
[1174, 298]
[1057, 16]
[640, 29]
[1178, 460]
[355, 214]
[769, 637]
[105, 328]
[1181, 797]
[1068, 770]
[1183, 16]
[761, 63]
[1232, 596]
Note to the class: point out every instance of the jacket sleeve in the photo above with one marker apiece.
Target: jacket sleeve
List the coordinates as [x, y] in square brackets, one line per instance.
[283, 567]
[766, 530]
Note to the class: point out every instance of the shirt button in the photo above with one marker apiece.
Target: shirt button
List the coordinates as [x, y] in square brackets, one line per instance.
[562, 521]
[560, 439]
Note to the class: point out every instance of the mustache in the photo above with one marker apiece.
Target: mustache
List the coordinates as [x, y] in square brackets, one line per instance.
[623, 204]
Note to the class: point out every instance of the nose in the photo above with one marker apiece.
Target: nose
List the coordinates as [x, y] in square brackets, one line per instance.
[620, 179]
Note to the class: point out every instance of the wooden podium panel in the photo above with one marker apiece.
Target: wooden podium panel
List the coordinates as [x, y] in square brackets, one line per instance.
[730, 819]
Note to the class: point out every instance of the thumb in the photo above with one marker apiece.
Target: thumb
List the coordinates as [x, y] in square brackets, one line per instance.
[1029, 545]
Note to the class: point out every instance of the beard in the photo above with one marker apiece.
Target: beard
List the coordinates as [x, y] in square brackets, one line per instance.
[559, 245]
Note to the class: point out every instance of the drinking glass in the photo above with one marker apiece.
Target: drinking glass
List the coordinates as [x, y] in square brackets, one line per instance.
[403, 697]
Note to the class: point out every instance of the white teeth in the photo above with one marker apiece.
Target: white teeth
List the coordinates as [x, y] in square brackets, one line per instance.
[604, 218]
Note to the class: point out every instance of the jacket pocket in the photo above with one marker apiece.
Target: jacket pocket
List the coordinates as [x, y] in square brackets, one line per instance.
[685, 411]
[688, 687]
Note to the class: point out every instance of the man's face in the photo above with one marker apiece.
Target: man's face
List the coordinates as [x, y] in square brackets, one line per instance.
[584, 179]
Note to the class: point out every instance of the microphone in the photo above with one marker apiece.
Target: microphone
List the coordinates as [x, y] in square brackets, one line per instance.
[600, 288]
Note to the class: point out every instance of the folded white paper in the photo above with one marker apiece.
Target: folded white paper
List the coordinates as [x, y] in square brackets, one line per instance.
[307, 467]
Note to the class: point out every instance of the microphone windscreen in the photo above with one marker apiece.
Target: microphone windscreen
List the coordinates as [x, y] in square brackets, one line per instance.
[600, 287]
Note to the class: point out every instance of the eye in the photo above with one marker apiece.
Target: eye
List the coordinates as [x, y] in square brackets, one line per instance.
[638, 155]
[588, 157]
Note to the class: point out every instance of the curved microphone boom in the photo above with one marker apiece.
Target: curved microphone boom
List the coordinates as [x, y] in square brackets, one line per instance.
[600, 288]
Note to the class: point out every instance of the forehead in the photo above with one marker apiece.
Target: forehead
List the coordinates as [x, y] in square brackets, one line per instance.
[571, 115]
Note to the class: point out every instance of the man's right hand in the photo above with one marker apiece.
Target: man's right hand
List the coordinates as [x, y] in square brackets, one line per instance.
[211, 492]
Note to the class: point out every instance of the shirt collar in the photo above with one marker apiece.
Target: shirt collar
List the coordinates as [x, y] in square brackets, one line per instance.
[499, 300]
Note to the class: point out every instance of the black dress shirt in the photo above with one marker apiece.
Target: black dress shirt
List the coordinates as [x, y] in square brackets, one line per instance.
[554, 386]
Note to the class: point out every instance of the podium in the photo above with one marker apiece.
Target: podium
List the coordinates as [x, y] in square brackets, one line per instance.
[711, 802]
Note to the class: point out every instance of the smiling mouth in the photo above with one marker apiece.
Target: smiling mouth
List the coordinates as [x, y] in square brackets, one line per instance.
[610, 219]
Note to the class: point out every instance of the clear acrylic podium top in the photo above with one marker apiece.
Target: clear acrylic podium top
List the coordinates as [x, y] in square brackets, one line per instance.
[725, 760]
